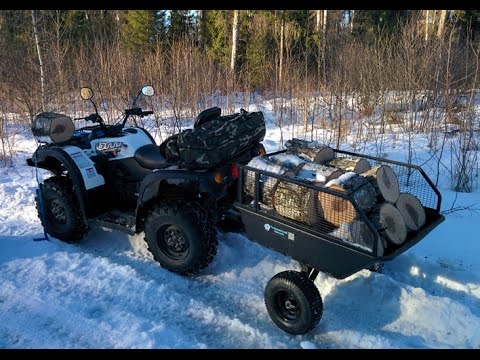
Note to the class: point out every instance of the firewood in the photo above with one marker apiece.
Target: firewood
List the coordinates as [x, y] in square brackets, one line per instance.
[385, 182]
[357, 165]
[310, 150]
[336, 209]
[411, 210]
[389, 223]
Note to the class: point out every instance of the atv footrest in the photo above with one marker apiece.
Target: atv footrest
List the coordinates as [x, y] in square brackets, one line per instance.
[116, 220]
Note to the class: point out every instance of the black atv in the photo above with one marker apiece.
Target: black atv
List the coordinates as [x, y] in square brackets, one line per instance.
[117, 177]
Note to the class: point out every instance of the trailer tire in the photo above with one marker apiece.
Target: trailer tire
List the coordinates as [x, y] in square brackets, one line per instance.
[181, 237]
[293, 302]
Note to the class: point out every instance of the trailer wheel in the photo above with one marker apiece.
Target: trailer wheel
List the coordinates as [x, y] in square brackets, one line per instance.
[293, 302]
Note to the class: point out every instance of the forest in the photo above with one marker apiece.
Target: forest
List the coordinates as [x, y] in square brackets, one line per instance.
[341, 70]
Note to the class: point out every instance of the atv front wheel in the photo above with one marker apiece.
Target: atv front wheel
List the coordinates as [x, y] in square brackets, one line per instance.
[181, 237]
[62, 212]
[293, 302]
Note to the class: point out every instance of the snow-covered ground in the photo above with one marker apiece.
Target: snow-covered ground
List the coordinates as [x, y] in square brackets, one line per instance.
[108, 292]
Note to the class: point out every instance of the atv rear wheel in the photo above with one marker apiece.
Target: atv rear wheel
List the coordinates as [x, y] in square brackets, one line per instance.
[63, 216]
[293, 302]
[181, 237]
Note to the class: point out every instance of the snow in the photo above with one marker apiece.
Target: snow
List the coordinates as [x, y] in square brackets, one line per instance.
[108, 292]
[341, 179]
[265, 165]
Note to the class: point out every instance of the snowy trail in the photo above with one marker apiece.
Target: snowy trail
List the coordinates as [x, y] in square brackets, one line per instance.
[108, 292]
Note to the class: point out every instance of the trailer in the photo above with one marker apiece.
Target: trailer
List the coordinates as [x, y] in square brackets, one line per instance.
[291, 297]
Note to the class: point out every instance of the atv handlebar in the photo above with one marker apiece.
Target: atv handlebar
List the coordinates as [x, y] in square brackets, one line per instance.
[138, 112]
[92, 117]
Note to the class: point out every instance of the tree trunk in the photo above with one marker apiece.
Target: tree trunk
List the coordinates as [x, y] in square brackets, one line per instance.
[310, 150]
[411, 210]
[385, 183]
[441, 23]
[318, 20]
[336, 209]
[427, 13]
[357, 165]
[201, 28]
[390, 224]
[236, 23]
[282, 36]
[40, 61]
[352, 16]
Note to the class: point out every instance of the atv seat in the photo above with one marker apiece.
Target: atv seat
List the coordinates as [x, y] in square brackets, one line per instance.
[149, 157]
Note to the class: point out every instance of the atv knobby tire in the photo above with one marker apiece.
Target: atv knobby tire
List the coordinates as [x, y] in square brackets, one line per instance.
[63, 215]
[181, 237]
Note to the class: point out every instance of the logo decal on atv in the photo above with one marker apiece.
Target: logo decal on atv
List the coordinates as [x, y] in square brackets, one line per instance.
[115, 147]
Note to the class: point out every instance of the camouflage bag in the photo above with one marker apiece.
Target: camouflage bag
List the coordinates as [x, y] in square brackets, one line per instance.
[217, 140]
[169, 149]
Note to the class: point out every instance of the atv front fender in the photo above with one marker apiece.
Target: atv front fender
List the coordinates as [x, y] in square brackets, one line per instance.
[56, 160]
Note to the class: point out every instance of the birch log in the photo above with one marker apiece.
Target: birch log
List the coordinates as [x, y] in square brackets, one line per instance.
[336, 209]
[411, 210]
[358, 234]
[267, 183]
[385, 183]
[357, 165]
[309, 171]
[389, 223]
[310, 150]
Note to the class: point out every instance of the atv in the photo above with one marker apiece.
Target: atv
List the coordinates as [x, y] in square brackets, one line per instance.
[115, 176]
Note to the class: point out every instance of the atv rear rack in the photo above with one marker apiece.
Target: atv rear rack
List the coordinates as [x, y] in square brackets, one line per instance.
[320, 245]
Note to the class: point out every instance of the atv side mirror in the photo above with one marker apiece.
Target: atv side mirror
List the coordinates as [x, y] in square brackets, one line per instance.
[86, 93]
[147, 90]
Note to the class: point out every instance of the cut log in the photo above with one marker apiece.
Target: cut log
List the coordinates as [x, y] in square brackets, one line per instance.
[412, 211]
[358, 234]
[389, 223]
[267, 183]
[294, 201]
[336, 209]
[357, 165]
[385, 183]
[309, 171]
[310, 150]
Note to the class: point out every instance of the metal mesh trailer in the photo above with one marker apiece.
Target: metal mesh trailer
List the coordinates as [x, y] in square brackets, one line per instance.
[317, 244]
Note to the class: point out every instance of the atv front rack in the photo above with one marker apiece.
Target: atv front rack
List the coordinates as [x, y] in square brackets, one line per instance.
[315, 242]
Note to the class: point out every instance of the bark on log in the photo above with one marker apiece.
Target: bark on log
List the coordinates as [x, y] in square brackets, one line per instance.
[294, 201]
[411, 210]
[389, 223]
[267, 183]
[357, 165]
[358, 234]
[385, 183]
[310, 171]
[310, 150]
[338, 210]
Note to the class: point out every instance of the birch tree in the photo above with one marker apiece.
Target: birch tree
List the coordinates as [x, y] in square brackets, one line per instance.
[40, 61]
[235, 27]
